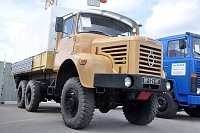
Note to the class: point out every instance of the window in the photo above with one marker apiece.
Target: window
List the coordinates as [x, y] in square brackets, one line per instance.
[196, 47]
[68, 27]
[174, 50]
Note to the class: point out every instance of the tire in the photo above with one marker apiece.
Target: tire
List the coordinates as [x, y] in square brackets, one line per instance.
[32, 96]
[167, 107]
[21, 94]
[142, 112]
[194, 112]
[77, 104]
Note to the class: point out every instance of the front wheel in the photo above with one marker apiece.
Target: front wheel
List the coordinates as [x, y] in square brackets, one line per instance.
[141, 112]
[77, 104]
[195, 112]
[167, 107]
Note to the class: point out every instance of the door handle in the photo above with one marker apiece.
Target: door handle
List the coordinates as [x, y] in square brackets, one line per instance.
[166, 66]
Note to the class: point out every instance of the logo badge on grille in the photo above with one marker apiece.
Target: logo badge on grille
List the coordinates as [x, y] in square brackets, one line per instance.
[151, 59]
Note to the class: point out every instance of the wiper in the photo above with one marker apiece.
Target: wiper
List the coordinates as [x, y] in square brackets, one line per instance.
[197, 52]
[98, 32]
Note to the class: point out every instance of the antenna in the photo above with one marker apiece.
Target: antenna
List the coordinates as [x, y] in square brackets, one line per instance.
[50, 2]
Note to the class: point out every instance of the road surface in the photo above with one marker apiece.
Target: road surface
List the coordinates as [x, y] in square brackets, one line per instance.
[48, 120]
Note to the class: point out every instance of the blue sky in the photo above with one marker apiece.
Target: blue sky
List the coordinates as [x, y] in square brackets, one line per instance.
[159, 17]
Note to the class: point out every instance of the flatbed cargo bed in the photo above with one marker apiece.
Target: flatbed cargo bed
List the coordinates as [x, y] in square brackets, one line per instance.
[41, 62]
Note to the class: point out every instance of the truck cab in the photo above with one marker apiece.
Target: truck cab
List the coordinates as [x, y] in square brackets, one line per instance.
[182, 64]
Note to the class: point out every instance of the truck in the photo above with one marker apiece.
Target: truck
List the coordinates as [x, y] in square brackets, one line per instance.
[93, 59]
[182, 64]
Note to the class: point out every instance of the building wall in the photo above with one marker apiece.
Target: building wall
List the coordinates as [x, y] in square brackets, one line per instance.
[7, 83]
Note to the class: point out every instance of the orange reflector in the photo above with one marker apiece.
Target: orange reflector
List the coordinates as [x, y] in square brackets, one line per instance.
[165, 74]
[193, 75]
[82, 61]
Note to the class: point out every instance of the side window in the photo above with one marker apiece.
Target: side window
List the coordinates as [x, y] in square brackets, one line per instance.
[68, 27]
[174, 51]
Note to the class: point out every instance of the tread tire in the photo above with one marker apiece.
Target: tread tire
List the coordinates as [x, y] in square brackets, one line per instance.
[78, 115]
[32, 101]
[171, 108]
[21, 94]
[194, 112]
[143, 113]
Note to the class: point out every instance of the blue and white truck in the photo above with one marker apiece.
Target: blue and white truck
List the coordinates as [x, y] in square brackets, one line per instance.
[181, 55]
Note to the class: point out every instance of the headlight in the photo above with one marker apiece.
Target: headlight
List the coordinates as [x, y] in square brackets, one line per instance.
[127, 81]
[198, 91]
[168, 86]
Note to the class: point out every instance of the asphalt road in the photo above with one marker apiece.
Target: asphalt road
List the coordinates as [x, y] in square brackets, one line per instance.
[48, 120]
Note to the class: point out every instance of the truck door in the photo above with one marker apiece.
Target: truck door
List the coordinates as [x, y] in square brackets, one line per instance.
[65, 46]
[176, 64]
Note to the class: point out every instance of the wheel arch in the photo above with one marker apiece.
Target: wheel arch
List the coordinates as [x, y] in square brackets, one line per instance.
[72, 68]
[66, 70]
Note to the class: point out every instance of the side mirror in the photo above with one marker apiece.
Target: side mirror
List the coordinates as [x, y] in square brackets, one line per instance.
[59, 24]
[182, 44]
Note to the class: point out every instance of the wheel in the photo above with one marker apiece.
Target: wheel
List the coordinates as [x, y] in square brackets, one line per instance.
[77, 104]
[141, 112]
[21, 94]
[195, 112]
[32, 96]
[167, 107]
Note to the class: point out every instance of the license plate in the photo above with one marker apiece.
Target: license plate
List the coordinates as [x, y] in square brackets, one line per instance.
[152, 81]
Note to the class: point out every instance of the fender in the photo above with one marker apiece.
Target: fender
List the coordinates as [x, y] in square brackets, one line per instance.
[71, 67]
[94, 64]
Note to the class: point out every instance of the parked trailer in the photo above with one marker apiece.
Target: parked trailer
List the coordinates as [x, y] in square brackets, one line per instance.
[182, 64]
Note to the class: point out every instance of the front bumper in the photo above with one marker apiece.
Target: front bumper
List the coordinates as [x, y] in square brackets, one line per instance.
[116, 81]
[193, 100]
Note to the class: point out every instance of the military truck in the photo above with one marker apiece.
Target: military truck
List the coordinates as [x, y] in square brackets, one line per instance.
[98, 61]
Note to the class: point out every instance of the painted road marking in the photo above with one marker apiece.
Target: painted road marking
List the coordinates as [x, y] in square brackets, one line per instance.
[49, 117]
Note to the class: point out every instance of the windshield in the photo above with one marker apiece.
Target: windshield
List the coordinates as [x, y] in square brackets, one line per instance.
[196, 47]
[102, 25]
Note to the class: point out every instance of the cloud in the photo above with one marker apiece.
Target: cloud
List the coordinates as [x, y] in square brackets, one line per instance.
[6, 52]
[14, 15]
[173, 17]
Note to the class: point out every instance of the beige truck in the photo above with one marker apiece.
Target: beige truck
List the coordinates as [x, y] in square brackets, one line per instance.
[98, 61]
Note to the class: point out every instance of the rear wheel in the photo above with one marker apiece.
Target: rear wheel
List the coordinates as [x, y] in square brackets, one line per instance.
[195, 112]
[77, 104]
[21, 94]
[32, 96]
[167, 107]
[141, 112]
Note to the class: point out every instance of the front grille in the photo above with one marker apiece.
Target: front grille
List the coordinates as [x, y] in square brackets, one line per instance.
[150, 61]
[198, 76]
[118, 53]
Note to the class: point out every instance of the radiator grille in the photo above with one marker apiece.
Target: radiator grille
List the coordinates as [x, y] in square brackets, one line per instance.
[118, 53]
[150, 61]
[198, 76]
